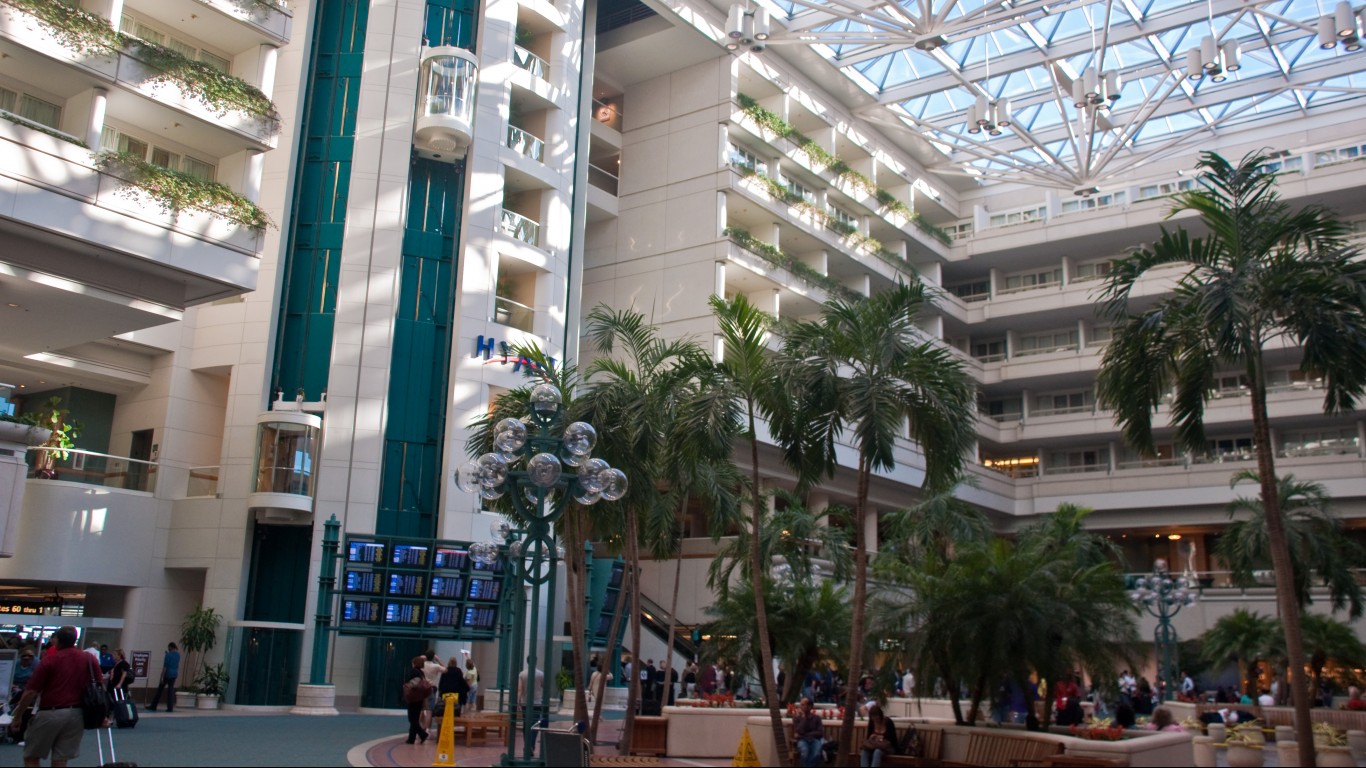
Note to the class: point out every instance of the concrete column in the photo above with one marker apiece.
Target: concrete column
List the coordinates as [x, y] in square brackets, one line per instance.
[993, 276]
[720, 286]
[870, 529]
[94, 128]
[724, 143]
[776, 239]
[251, 175]
[721, 220]
[265, 68]
[109, 9]
[817, 503]
[1066, 271]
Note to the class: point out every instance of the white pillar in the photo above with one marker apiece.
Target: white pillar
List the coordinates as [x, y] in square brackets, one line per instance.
[94, 127]
[265, 68]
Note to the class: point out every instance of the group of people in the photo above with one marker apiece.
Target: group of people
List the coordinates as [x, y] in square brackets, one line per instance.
[56, 682]
[436, 680]
[881, 739]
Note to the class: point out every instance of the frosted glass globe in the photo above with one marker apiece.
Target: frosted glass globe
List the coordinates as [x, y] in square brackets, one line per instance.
[509, 436]
[467, 477]
[493, 470]
[546, 398]
[579, 438]
[543, 469]
[613, 483]
[590, 475]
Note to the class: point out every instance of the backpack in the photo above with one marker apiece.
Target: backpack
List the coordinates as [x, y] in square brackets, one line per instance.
[416, 690]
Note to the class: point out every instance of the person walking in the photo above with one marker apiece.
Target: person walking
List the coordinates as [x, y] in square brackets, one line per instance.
[170, 670]
[60, 680]
[121, 675]
[417, 703]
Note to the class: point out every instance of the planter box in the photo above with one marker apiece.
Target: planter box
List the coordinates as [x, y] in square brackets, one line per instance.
[709, 731]
[650, 736]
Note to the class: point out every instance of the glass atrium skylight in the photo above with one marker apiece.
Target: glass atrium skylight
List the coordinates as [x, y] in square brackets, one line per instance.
[1070, 93]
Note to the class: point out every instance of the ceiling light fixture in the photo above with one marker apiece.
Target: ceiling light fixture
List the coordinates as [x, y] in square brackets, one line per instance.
[1213, 60]
[1092, 91]
[747, 28]
[1343, 25]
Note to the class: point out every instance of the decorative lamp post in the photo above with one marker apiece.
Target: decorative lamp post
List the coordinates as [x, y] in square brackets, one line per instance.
[540, 468]
[1164, 595]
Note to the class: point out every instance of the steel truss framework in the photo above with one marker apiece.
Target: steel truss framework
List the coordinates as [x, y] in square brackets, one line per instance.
[926, 63]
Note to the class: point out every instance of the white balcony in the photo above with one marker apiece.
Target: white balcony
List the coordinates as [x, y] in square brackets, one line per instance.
[533, 64]
[525, 144]
[62, 214]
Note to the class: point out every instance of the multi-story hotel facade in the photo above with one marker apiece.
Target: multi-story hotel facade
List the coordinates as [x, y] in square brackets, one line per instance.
[414, 186]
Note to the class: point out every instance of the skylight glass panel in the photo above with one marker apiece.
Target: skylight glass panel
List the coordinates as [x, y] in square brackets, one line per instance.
[1073, 23]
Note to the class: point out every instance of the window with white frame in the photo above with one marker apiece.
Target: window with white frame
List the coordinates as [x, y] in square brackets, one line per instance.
[1285, 165]
[1339, 155]
[1094, 270]
[1051, 403]
[1230, 448]
[1077, 460]
[1100, 335]
[842, 216]
[743, 158]
[1024, 281]
[1164, 189]
[797, 189]
[1229, 384]
[1048, 341]
[153, 32]
[1012, 218]
[959, 231]
[1320, 442]
[116, 140]
[989, 350]
[1003, 409]
[32, 108]
[977, 290]
[1094, 202]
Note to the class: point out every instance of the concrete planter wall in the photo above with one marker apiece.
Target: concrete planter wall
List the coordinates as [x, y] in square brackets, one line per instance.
[711, 731]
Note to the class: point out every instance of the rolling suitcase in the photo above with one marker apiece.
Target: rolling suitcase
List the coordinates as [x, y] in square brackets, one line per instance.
[125, 711]
[114, 762]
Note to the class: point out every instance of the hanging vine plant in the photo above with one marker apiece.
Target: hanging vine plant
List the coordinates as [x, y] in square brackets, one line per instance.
[219, 90]
[79, 30]
[177, 191]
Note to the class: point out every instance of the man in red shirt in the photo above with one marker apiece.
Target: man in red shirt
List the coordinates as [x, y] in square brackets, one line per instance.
[60, 679]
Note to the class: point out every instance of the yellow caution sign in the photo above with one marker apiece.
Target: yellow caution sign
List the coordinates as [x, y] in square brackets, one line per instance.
[445, 743]
[745, 756]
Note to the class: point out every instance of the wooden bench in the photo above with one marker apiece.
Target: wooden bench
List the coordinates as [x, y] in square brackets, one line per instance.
[482, 727]
[931, 750]
[1000, 749]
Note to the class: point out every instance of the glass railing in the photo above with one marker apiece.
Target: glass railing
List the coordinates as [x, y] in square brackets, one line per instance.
[529, 61]
[516, 225]
[513, 314]
[602, 179]
[203, 481]
[90, 468]
[525, 144]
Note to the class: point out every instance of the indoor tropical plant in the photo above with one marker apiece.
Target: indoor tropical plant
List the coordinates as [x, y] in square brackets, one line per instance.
[211, 684]
[198, 635]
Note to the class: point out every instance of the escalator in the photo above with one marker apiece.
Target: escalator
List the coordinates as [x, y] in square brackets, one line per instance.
[656, 620]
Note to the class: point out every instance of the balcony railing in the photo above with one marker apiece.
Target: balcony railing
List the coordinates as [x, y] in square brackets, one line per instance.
[91, 468]
[513, 314]
[529, 61]
[603, 179]
[525, 144]
[516, 225]
[202, 481]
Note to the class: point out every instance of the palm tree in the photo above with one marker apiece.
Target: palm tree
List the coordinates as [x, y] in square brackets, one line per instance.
[745, 381]
[1327, 638]
[1242, 637]
[1313, 535]
[864, 366]
[633, 402]
[1262, 273]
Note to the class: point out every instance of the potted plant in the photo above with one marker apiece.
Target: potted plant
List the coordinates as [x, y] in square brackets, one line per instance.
[211, 683]
[1330, 745]
[62, 431]
[198, 635]
[564, 680]
[1245, 742]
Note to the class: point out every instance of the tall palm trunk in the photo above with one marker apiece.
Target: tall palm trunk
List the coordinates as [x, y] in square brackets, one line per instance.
[1281, 565]
[673, 607]
[756, 580]
[577, 587]
[611, 653]
[633, 580]
[856, 633]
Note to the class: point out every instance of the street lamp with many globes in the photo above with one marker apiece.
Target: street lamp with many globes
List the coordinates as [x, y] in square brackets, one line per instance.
[539, 469]
[1164, 595]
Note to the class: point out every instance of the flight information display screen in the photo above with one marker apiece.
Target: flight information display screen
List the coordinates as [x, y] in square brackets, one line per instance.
[422, 588]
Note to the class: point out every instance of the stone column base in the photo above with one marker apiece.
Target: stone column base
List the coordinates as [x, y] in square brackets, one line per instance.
[315, 700]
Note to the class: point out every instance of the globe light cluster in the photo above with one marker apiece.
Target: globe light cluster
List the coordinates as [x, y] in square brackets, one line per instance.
[1161, 586]
[591, 479]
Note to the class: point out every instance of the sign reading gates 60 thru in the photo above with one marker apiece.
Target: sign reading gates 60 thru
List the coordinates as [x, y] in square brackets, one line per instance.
[428, 587]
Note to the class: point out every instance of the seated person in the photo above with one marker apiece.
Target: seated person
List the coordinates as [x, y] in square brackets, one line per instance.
[881, 738]
[810, 735]
[1162, 721]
